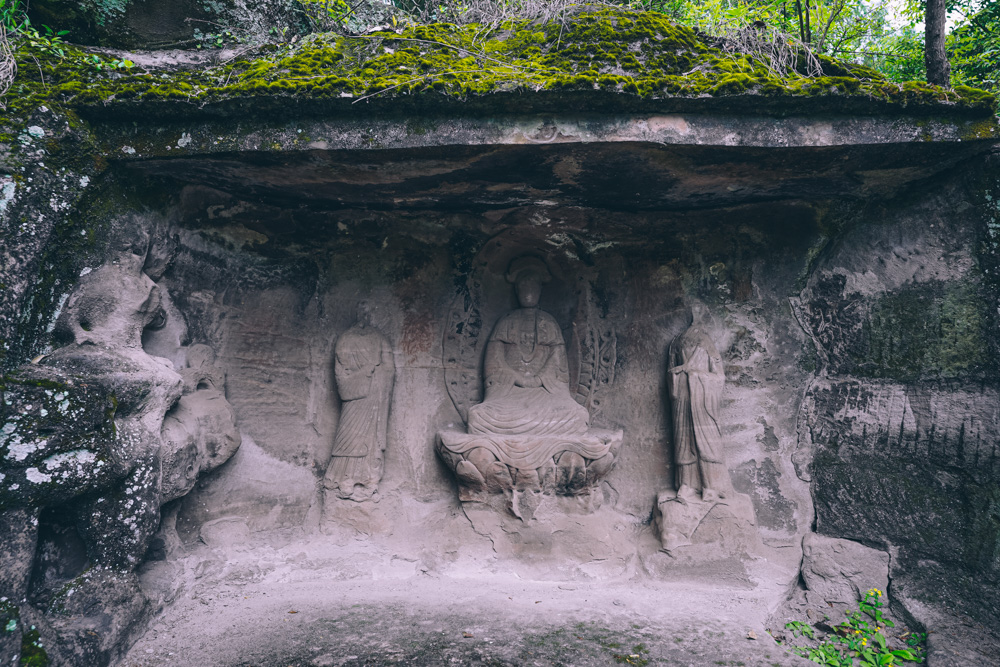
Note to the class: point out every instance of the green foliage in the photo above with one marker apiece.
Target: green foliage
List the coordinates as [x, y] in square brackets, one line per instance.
[11, 14]
[974, 49]
[51, 43]
[861, 639]
[15, 26]
[973, 45]
[215, 40]
[899, 55]
[327, 15]
[32, 650]
[48, 41]
[831, 27]
[881, 34]
[102, 65]
[800, 629]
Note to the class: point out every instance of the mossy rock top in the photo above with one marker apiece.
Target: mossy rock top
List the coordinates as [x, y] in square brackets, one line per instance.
[605, 60]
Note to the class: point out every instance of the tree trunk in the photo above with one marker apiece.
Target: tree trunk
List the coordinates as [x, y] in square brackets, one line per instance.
[802, 26]
[938, 69]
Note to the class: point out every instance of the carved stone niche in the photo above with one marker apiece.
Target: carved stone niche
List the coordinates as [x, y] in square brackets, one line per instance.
[528, 431]
[702, 510]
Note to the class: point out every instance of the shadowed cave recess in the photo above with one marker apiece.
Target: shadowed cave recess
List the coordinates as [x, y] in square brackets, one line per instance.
[544, 387]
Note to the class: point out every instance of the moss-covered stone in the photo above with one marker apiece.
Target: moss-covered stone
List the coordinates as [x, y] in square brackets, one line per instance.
[926, 330]
[623, 53]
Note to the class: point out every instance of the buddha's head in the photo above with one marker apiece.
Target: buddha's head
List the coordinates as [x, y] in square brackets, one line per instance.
[528, 274]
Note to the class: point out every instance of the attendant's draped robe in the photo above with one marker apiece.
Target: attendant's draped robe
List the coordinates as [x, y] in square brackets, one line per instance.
[695, 397]
[365, 373]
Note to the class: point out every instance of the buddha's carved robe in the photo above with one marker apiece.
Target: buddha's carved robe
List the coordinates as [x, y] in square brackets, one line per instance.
[527, 380]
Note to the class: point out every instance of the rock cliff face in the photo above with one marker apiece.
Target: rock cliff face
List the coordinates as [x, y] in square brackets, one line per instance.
[178, 269]
[902, 416]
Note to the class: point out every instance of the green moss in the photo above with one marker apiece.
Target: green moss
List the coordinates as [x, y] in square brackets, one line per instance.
[975, 95]
[839, 68]
[982, 129]
[630, 53]
[32, 651]
[926, 330]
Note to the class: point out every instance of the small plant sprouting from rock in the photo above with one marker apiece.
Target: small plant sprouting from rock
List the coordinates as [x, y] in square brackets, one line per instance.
[861, 639]
[50, 42]
[32, 650]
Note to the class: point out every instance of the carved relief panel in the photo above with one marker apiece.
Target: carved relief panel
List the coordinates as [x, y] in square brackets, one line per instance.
[702, 508]
[526, 388]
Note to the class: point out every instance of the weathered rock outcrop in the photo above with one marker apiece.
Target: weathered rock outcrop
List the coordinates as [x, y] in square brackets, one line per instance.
[81, 446]
[842, 232]
[152, 24]
[902, 418]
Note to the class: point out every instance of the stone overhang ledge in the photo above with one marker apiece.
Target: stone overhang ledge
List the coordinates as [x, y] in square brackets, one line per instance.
[138, 140]
[613, 161]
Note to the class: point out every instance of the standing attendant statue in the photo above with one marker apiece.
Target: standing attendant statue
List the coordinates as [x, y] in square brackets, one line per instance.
[703, 513]
[365, 373]
[695, 379]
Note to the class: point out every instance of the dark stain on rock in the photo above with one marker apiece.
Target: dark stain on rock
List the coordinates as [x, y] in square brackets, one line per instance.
[759, 480]
[768, 439]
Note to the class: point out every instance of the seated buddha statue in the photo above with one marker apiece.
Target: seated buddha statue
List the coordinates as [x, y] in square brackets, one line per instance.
[529, 432]
[526, 370]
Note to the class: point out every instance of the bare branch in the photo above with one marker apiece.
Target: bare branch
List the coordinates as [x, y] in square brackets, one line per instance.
[8, 66]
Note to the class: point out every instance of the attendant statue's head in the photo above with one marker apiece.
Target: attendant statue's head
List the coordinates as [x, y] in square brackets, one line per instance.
[365, 313]
[700, 314]
[528, 274]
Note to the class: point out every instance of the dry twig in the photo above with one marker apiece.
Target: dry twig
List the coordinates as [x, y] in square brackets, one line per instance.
[781, 53]
[8, 65]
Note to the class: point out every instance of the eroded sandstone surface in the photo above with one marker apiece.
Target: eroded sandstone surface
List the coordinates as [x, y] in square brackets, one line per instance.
[664, 367]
